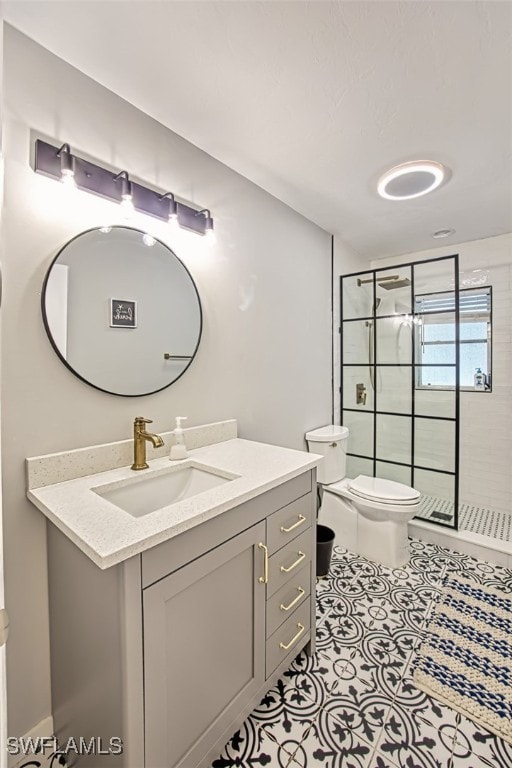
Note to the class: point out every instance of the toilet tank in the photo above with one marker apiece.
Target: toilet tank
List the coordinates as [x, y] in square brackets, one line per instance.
[331, 443]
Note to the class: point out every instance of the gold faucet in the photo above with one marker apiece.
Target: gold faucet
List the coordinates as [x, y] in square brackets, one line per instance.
[139, 442]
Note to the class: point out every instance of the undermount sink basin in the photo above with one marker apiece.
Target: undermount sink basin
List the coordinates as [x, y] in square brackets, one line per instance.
[141, 495]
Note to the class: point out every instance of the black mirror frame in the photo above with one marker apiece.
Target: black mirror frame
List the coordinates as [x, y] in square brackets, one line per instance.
[57, 351]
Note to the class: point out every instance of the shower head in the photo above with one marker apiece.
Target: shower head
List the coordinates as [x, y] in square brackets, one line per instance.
[396, 282]
[389, 282]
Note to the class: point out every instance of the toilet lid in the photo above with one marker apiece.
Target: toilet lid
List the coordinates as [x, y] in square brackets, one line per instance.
[329, 434]
[387, 491]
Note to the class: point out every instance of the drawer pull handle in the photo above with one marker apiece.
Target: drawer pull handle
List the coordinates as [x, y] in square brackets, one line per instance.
[295, 564]
[294, 639]
[294, 601]
[295, 525]
[264, 579]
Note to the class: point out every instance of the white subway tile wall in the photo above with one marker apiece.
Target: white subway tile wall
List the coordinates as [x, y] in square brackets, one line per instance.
[486, 417]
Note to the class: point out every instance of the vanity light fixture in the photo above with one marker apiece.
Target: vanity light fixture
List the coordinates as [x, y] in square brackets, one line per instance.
[58, 162]
[126, 191]
[410, 180]
[173, 207]
[67, 170]
[208, 222]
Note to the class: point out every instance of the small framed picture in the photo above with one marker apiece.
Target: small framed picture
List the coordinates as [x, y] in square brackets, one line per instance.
[123, 313]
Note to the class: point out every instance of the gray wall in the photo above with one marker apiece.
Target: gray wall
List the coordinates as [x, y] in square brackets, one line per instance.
[265, 355]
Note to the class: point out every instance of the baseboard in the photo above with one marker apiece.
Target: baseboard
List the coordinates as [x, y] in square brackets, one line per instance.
[27, 744]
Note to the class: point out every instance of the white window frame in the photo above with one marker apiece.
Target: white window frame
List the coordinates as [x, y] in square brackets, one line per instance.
[471, 309]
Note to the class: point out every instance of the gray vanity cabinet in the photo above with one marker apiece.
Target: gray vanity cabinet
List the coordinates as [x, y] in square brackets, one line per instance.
[171, 649]
[204, 649]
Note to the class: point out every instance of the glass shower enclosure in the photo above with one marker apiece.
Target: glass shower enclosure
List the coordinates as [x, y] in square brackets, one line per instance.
[400, 379]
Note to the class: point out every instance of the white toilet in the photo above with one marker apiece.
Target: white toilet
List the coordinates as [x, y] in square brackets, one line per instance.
[368, 515]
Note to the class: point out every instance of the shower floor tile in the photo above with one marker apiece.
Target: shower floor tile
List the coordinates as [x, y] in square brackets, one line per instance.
[355, 703]
[486, 522]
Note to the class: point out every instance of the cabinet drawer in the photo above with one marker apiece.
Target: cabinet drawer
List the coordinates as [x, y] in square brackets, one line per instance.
[289, 522]
[287, 599]
[289, 638]
[285, 564]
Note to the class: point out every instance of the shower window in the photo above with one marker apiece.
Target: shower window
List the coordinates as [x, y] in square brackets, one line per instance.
[435, 332]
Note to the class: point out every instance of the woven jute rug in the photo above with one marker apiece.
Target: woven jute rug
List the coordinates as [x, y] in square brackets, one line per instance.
[465, 661]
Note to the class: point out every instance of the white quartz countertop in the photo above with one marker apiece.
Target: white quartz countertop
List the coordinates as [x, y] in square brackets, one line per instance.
[108, 535]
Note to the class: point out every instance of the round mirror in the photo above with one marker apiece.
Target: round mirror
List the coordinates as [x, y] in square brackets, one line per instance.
[122, 311]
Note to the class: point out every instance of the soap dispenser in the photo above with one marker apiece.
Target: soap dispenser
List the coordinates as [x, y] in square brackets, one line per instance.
[479, 379]
[178, 448]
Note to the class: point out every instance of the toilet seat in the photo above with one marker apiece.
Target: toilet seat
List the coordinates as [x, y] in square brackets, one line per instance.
[376, 490]
[383, 491]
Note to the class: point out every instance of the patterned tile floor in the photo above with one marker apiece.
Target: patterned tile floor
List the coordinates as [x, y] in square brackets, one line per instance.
[354, 704]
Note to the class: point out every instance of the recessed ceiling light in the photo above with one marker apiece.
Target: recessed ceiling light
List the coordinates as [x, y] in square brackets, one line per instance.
[443, 233]
[413, 179]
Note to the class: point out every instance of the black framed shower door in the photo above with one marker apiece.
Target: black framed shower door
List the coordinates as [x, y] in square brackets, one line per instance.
[402, 427]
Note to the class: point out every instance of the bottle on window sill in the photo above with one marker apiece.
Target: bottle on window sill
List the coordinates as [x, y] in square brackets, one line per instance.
[479, 379]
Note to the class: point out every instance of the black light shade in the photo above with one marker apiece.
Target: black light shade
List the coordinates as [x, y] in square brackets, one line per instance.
[67, 169]
[126, 185]
[173, 206]
[208, 221]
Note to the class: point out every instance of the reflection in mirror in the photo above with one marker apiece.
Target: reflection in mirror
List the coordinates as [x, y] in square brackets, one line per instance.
[122, 311]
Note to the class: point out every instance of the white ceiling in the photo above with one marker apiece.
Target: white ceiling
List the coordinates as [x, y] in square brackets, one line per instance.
[314, 100]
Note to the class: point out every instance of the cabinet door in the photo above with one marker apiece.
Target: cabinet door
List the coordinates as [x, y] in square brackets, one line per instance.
[204, 650]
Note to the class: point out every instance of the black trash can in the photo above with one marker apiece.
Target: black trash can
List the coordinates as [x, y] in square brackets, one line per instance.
[324, 545]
